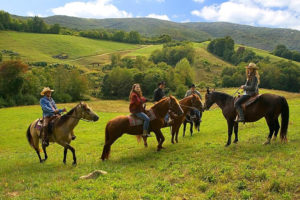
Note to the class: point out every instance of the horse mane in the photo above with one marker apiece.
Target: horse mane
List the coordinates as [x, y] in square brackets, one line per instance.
[155, 105]
[222, 95]
[65, 117]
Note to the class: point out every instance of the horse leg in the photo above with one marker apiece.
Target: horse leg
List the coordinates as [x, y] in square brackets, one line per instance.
[277, 127]
[176, 135]
[173, 133]
[161, 140]
[65, 155]
[271, 125]
[145, 141]
[45, 152]
[230, 127]
[191, 128]
[73, 152]
[236, 130]
[184, 128]
[107, 146]
[39, 155]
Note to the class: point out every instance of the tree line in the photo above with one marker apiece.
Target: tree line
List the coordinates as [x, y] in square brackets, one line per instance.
[282, 51]
[21, 86]
[174, 68]
[37, 25]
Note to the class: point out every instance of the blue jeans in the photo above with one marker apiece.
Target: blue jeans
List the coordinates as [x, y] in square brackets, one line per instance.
[144, 117]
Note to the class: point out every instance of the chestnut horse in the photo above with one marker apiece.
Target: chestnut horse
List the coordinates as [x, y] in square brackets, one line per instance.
[188, 103]
[116, 127]
[269, 106]
[62, 130]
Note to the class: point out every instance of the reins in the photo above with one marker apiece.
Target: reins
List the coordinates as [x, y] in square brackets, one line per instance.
[86, 120]
[191, 107]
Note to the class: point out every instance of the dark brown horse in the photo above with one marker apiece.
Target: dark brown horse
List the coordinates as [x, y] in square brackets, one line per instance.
[116, 127]
[187, 104]
[269, 106]
[62, 130]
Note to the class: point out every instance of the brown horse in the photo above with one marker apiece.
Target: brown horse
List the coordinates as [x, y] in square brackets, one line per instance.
[269, 106]
[116, 127]
[187, 104]
[62, 130]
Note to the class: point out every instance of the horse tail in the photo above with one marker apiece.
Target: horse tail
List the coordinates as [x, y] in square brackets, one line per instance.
[139, 138]
[284, 119]
[29, 137]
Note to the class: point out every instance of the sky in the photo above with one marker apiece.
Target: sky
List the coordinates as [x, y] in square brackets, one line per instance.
[263, 13]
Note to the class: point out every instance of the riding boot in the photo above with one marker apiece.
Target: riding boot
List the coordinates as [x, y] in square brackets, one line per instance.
[45, 139]
[146, 133]
[240, 116]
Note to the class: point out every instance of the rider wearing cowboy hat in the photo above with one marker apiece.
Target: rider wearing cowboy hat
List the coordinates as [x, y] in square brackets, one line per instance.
[49, 112]
[250, 89]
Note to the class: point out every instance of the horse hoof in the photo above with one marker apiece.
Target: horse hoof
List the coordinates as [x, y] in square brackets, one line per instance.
[274, 138]
[267, 142]
[227, 145]
[74, 164]
[42, 161]
[235, 141]
[64, 162]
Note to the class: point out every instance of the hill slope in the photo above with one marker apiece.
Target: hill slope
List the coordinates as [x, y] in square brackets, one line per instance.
[263, 38]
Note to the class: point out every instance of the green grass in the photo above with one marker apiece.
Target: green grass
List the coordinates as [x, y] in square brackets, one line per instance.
[41, 47]
[198, 167]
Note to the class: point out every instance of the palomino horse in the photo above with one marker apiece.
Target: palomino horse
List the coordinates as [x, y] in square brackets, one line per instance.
[269, 106]
[187, 104]
[116, 127]
[62, 130]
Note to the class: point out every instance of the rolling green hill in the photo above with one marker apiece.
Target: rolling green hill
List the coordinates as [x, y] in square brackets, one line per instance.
[259, 37]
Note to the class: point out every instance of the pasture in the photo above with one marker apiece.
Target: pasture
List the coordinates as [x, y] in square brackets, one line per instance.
[198, 167]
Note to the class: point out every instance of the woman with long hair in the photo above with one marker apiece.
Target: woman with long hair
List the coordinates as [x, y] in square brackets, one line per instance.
[136, 107]
[250, 89]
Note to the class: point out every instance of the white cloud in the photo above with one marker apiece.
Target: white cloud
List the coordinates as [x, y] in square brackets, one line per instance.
[32, 14]
[91, 9]
[162, 17]
[199, 1]
[254, 12]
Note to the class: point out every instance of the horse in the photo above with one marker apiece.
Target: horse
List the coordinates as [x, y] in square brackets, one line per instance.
[117, 126]
[189, 103]
[192, 118]
[62, 130]
[269, 106]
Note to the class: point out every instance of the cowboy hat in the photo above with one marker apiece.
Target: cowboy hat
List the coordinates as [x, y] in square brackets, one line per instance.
[252, 66]
[46, 89]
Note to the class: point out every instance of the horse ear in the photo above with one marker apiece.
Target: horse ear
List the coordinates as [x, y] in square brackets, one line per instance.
[207, 90]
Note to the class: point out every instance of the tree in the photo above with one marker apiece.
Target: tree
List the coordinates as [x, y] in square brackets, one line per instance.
[119, 36]
[134, 37]
[55, 29]
[184, 69]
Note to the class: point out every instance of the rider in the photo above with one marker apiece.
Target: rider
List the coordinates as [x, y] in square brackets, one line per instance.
[49, 112]
[191, 91]
[250, 89]
[136, 107]
[159, 93]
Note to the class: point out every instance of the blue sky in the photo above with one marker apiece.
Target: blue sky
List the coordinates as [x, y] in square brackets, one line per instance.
[266, 13]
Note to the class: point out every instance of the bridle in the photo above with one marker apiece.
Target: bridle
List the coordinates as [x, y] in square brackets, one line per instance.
[79, 118]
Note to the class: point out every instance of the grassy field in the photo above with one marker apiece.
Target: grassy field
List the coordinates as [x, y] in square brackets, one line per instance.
[41, 47]
[198, 167]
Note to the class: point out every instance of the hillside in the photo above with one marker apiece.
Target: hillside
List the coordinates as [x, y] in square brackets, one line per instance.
[259, 37]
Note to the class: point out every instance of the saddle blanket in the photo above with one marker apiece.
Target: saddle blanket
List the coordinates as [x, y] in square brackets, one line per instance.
[38, 125]
[134, 121]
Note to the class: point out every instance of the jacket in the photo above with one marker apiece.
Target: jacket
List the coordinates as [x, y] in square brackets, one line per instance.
[158, 94]
[136, 103]
[48, 106]
[251, 86]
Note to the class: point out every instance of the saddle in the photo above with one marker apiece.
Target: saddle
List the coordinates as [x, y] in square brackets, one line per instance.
[135, 121]
[39, 124]
[249, 102]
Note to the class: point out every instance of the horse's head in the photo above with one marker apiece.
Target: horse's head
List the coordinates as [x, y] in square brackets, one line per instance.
[86, 112]
[174, 106]
[196, 102]
[209, 101]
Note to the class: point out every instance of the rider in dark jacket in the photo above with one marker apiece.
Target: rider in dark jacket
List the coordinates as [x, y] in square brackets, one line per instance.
[159, 92]
[250, 89]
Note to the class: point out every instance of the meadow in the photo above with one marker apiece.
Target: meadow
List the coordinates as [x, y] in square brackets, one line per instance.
[198, 167]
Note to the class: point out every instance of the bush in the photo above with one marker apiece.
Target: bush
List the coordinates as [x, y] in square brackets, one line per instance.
[180, 91]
